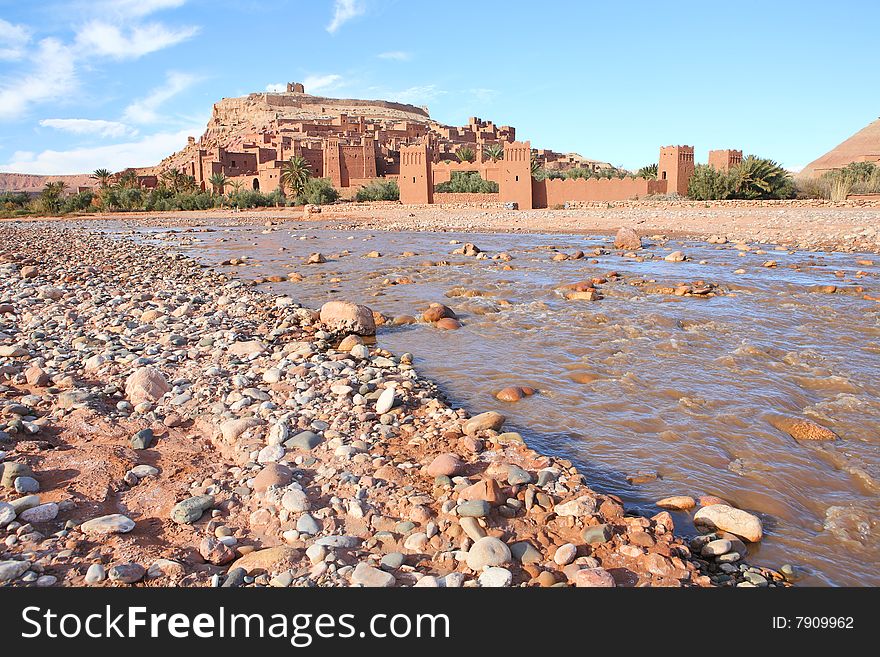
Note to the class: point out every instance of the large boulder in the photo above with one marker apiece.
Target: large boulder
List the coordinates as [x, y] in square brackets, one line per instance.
[728, 519]
[146, 384]
[348, 317]
[628, 239]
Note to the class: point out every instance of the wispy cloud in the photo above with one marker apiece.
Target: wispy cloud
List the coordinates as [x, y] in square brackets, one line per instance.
[396, 55]
[418, 95]
[13, 39]
[146, 151]
[344, 11]
[52, 77]
[105, 39]
[278, 87]
[90, 127]
[145, 110]
[315, 83]
[137, 8]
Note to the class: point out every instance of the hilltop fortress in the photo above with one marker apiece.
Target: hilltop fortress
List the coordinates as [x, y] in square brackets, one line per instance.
[349, 141]
[353, 142]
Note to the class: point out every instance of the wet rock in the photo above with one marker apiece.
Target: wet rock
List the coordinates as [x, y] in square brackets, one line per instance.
[806, 430]
[348, 317]
[675, 256]
[447, 324]
[627, 239]
[486, 552]
[437, 311]
[316, 259]
[726, 518]
[483, 421]
[716, 548]
[103, 525]
[677, 503]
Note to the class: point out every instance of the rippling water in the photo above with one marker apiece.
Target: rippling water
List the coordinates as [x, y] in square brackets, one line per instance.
[683, 387]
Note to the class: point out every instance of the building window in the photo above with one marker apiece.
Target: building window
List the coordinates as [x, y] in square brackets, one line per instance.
[414, 178]
[663, 176]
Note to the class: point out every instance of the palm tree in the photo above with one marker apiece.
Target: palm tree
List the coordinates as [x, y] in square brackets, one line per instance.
[295, 173]
[535, 167]
[757, 177]
[51, 195]
[103, 177]
[237, 186]
[649, 172]
[219, 182]
[128, 180]
[494, 151]
[466, 154]
[172, 178]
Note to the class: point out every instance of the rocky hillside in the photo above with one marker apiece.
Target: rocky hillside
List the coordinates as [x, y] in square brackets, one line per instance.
[32, 183]
[861, 147]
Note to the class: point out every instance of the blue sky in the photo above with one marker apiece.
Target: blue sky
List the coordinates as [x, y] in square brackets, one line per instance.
[100, 83]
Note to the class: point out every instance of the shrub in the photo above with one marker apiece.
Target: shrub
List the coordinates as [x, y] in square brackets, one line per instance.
[761, 178]
[466, 154]
[78, 202]
[379, 190]
[709, 184]
[467, 182]
[318, 191]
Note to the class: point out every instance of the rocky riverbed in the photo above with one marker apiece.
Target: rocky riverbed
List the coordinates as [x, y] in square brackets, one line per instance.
[163, 424]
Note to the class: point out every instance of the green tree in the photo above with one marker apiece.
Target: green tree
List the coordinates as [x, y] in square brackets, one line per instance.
[103, 177]
[52, 196]
[494, 151]
[218, 182]
[379, 190]
[318, 191]
[649, 172]
[466, 154]
[128, 180]
[295, 173]
[710, 184]
[761, 178]
[172, 179]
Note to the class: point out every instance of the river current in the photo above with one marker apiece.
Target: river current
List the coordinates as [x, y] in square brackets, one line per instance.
[680, 390]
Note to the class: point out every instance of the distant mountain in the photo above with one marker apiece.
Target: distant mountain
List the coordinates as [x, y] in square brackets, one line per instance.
[864, 146]
[32, 183]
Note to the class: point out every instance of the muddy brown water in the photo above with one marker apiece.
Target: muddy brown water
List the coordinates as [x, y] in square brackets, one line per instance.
[684, 388]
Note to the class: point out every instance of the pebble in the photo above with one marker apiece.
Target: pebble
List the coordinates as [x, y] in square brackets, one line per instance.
[112, 524]
[729, 519]
[473, 509]
[306, 524]
[127, 573]
[40, 513]
[495, 578]
[95, 574]
[368, 576]
[488, 551]
[142, 439]
[565, 554]
[26, 485]
[305, 440]
[190, 510]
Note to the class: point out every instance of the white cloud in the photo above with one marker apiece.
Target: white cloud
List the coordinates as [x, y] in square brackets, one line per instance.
[315, 83]
[90, 127]
[418, 95]
[53, 77]
[13, 39]
[138, 8]
[99, 38]
[145, 110]
[147, 151]
[344, 11]
[395, 55]
[484, 95]
[277, 88]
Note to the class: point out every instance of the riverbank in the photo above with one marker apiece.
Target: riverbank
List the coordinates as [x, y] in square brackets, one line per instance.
[166, 424]
[814, 225]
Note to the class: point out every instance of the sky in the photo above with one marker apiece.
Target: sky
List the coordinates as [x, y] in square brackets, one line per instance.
[90, 84]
